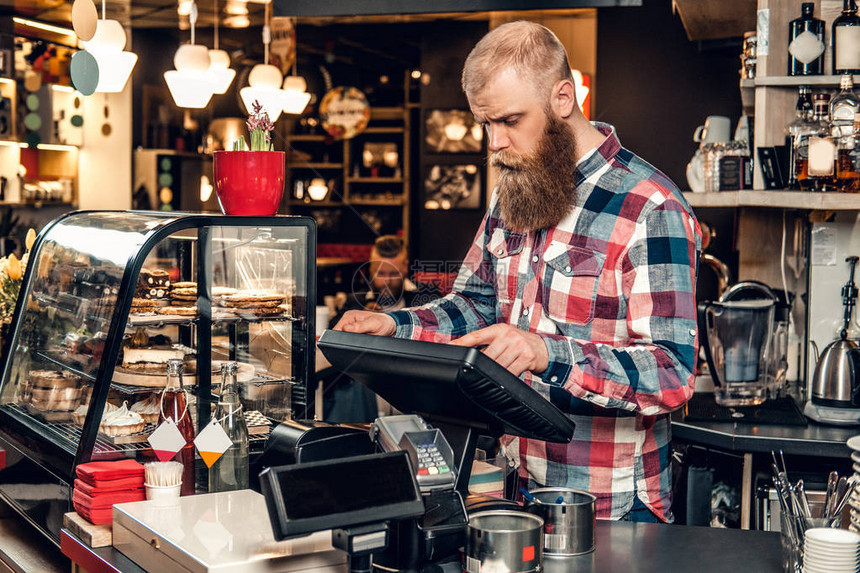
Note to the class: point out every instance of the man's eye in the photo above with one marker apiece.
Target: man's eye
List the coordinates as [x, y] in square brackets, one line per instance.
[511, 122]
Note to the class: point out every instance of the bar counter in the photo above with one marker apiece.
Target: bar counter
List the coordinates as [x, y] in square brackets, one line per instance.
[621, 547]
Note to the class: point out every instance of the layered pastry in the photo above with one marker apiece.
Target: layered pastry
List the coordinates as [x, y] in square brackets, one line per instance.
[151, 360]
[152, 284]
[258, 302]
[178, 310]
[143, 305]
[50, 394]
[121, 422]
[183, 293]
[148, 408]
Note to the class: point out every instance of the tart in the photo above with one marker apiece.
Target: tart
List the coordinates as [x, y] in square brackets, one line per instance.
[121, 422]
[148, 408]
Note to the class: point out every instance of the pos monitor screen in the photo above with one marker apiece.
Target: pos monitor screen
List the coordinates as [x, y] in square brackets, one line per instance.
[446, 383]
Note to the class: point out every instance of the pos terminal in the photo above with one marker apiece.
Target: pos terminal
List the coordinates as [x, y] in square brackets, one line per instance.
[463, 394]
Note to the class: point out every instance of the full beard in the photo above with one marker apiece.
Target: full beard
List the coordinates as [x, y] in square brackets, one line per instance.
[537, 191]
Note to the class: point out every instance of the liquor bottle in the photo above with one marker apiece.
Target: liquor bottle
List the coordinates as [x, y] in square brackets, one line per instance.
[848, 159]
[230, 471]
[845, 40]
[802, 119]
[843, 107]
[806, 43]
[175, 406]
[821, 148]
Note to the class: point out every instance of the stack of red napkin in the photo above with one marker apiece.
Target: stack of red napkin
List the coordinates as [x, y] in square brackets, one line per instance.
[99, 485]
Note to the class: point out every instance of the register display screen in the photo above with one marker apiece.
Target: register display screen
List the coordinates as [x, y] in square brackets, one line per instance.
[304, 498]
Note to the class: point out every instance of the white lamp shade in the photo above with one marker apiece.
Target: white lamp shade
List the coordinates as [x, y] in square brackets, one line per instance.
[265, 75]
[192, 58]
[270, 99]
[295, 102]
[109, 36]
[219, 69]
[190, 89]
[296, 98]
[295, 83]
[114, 70]
[183, 8]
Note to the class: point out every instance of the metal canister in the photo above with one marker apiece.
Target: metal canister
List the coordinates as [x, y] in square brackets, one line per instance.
[503, 540]
[569, 518]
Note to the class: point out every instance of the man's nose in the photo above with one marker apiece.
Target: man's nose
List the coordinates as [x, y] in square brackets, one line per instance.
[497, 138]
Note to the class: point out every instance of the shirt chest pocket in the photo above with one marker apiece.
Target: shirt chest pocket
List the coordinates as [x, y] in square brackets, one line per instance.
[505, 247]
[570, 281]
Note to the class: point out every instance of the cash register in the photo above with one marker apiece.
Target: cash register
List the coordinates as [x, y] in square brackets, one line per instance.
[449, 396]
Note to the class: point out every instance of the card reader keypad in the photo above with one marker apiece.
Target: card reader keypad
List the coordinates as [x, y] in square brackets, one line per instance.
[430, 461]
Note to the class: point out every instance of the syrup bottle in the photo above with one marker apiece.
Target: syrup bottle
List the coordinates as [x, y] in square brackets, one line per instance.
[174, 405]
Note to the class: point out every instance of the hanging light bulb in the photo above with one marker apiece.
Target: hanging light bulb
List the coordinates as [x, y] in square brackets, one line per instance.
[219, 63]
[264, 81]
[296, 96]
[106, 46]
[190, 83]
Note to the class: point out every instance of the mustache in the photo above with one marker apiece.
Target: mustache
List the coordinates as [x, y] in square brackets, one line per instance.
[506, 160]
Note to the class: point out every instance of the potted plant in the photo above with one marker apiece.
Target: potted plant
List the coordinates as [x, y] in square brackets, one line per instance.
[250, 182]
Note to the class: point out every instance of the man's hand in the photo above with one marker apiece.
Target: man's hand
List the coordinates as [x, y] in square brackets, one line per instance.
[515, 349]
[366, 322]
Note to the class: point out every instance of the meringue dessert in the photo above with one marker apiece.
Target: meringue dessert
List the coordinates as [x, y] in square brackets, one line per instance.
[121, 422]
[148, 408]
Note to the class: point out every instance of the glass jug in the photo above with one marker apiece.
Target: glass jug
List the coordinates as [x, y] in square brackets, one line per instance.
[737, 343]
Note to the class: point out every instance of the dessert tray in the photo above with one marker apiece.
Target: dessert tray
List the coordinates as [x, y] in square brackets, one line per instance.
[154, 380]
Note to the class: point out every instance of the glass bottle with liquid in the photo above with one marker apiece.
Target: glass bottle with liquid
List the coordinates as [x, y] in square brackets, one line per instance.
[816, 150]
[845, 40]
[802, 120]
[230, 471]
[806, 43]
[174, 405]
[843, 108]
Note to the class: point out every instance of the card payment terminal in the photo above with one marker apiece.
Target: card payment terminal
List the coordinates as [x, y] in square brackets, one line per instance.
[431, 455]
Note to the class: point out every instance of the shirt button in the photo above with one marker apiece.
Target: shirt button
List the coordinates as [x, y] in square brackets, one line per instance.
[554, 379]
[692, 332]
[567, 269]
[500, 251]
[525, 312]
[535, 259]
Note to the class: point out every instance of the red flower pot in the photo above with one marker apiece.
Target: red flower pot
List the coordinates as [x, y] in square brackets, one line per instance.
[249, 182]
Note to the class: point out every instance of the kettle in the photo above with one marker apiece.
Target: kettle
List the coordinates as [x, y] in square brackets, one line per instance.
[836, 380]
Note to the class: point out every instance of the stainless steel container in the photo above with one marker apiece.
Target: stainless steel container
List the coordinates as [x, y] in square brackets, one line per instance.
[502, 540]
[568, 516]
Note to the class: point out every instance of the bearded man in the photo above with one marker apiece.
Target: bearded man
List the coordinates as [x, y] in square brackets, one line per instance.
[581, 280]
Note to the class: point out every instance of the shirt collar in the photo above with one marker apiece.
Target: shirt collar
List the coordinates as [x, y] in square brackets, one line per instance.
[598, 157]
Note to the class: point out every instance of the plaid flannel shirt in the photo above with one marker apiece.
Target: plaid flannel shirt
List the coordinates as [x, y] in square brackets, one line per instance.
[610, 289]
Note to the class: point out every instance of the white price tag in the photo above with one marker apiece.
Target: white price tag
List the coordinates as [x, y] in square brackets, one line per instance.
[212, 442]
[166, 440]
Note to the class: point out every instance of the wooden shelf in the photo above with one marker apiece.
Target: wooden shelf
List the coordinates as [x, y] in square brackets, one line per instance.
[803, 200]
[306, 137]
[793, 81]
[300, 165]
[382, 130]
[377, 202]
[301, 203]
[375, 179]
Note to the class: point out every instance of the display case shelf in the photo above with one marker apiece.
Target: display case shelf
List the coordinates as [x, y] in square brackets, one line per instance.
[65, 365]
[802, 200]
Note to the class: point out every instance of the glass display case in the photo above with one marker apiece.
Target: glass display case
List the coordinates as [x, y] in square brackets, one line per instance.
[108, 298]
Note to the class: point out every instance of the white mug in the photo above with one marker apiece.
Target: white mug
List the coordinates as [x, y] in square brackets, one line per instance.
[716, 129]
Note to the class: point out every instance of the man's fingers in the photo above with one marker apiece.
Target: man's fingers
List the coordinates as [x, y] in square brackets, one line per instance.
[480, 337]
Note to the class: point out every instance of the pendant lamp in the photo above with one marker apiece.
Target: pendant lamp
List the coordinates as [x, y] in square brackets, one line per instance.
[264, 81]
[219, 63]
[296, 96]
[190, 84]
[106, 46]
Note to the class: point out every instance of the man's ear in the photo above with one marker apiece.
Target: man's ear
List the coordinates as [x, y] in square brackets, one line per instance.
[564, 98]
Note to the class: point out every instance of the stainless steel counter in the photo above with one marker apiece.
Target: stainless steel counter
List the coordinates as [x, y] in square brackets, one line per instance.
[813, 440]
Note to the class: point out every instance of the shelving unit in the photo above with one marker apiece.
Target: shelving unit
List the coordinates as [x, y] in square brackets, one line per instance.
[340, 164]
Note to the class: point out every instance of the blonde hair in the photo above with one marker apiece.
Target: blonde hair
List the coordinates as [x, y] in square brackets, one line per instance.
[531, 50]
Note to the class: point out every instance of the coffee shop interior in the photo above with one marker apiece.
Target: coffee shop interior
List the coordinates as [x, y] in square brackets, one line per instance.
[698, 88]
